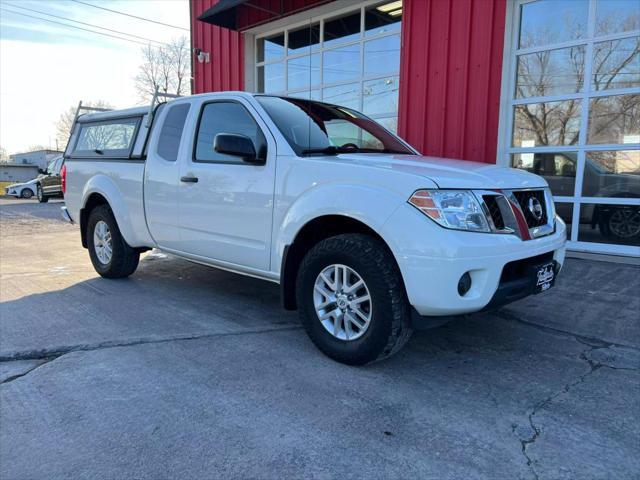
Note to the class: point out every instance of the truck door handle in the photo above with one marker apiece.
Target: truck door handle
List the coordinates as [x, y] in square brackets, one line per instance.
[189, 179]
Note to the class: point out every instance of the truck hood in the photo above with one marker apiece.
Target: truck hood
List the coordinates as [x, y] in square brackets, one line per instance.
[447, 173]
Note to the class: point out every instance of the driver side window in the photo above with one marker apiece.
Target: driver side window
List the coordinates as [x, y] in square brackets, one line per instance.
[226, 117]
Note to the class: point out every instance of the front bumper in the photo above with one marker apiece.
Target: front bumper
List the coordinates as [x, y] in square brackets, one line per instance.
[432, 259]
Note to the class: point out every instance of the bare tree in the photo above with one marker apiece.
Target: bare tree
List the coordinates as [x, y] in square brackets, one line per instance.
[65, 122]
[167, 69]
[4, 156]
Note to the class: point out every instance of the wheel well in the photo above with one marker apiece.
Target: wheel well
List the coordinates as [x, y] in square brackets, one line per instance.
[94, 200]
[313, 232]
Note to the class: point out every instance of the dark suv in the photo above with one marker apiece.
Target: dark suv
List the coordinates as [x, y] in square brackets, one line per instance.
[49, 182]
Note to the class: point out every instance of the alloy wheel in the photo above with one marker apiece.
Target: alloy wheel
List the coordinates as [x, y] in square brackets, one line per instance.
[342, 302]
[102, 243]
[625, 222]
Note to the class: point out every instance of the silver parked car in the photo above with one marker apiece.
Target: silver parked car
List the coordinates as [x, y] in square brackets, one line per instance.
[22, 190]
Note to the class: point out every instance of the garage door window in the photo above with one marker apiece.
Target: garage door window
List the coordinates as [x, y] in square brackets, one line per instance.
[574, 114]
[352, 59]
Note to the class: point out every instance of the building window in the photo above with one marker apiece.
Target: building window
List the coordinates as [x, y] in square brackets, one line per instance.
[351, 60]
[573, 111]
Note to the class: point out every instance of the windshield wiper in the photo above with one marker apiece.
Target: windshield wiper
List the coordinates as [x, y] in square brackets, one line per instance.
[331, 150]
[98, 151]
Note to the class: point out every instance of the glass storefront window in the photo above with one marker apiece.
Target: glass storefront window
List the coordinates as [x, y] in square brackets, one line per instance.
[351, 60]
[380, 96]
[616, 16]
[612, 174]
[270, 48]
[565, 211]
[303, 72]
[347, 95]
[575, 114]
[342, 29]
[616, 64]
[303, 39]
[549, 123]
[271, 78]
[383, 18]
[546, 22]
[614, 119]
[382, 55]
[558, 169]
[340, 64]
[550, 72]
[613, 224]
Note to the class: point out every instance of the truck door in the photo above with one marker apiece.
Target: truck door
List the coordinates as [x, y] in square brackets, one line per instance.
[162, 171]
[226, 204]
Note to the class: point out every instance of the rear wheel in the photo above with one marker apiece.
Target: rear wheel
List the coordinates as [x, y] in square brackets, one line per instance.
[351, 299]
[26, 193]
[110, 255]
[42, 198]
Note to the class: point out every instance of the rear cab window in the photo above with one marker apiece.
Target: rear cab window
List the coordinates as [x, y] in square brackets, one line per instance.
[171, 132]
[107, 138]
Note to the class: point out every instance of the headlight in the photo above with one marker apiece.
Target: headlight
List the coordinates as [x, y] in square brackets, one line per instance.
[457, 209]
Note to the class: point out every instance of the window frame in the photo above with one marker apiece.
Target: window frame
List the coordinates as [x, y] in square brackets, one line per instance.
[220, 162]
[309, 18]
[88, 154]
[509, 101]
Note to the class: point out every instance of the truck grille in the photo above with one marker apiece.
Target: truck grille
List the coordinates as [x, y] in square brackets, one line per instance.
[524, 197]
[494, 210]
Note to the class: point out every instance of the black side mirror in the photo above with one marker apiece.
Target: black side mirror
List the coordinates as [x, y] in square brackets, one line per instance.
[237, 145]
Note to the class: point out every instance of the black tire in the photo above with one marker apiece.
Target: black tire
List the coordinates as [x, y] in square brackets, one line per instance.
[124, 259]
[390, 325]
[42, 198]
[26, 193]
[620, 224]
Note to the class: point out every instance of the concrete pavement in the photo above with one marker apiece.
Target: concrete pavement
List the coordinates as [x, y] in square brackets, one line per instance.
[182, 371]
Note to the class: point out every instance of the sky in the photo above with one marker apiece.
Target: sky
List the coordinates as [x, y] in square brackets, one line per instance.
[45, 68]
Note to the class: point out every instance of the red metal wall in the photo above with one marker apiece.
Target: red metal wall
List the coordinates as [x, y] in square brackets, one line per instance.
[450, 73]
[226, 68]
[450, 70]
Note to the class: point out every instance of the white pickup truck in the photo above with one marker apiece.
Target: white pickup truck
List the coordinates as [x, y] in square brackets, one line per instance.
[367, 238]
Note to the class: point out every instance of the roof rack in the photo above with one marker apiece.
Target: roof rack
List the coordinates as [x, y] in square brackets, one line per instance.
[82, 108]
[154, 101]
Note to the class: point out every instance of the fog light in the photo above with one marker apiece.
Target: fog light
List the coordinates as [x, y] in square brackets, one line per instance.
[464, 284]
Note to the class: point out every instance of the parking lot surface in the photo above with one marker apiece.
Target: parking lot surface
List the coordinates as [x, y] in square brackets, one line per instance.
[182, 371]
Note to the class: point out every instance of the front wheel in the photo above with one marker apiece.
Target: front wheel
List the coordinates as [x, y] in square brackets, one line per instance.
[26, 193]
[110, 255]
[352, 301]
[42, 198]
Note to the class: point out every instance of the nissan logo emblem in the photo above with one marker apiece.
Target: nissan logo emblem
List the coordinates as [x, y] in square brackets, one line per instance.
[535, 207]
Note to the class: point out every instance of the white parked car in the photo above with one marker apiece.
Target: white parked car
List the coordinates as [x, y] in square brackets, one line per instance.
[22, 190]
[367, 238]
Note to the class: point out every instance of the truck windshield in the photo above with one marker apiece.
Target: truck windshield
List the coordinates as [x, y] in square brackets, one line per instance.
[315, 128]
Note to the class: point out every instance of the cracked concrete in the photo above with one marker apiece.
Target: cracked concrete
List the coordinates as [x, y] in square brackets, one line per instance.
[595, 356]
[186, 372]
